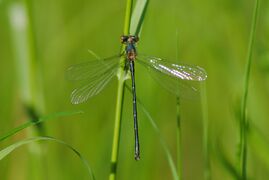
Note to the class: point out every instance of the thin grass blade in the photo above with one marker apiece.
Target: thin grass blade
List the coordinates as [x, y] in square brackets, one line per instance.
[6, 151]
[244, 122]
[258, 144]
[138, 16]
[226, 162]
[32, 122]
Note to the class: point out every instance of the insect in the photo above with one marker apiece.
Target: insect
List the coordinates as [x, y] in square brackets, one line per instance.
[95, 75]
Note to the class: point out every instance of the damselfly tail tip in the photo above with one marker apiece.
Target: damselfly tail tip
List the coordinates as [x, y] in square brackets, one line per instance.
[137, 157]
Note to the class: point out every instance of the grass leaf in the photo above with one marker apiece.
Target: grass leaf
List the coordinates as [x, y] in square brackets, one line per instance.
[226, 162]
[244, 122]
[138, 16]
[32, 122]
[259, 144]
[6, 151]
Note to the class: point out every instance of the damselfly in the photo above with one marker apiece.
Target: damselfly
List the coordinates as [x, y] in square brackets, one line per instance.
[96, 74]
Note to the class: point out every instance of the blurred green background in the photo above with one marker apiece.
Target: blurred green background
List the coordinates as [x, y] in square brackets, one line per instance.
[212, 34]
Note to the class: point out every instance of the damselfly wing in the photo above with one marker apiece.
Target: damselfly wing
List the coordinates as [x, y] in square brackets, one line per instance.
[95, 75]
[179, 79]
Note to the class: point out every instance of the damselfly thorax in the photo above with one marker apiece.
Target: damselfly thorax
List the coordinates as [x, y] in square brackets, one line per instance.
[130, 42]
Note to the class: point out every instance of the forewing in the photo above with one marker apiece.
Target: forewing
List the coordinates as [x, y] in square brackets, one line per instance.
[91, 69]
[182, 80]
[182, 71]
[93, 75]
[93, 87]
[179, 87]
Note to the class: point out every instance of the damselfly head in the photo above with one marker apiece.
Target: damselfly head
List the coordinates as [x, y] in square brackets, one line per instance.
[129, 39]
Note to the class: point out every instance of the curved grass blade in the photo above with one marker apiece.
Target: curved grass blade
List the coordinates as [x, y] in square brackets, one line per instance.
[32, 123]
[6, 151]
[163, 143]
[259, 144]
[226, 162]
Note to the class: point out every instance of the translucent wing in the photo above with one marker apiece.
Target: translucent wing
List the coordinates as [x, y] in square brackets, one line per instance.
[182, 80]
[184, 72]
[91, 69]
[83, 93]
[94, 75]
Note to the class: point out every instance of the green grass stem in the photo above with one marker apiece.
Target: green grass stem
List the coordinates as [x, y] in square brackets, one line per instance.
[179, 141]
[244, 122]
[119, 100]
[117, 127]
[178, 121]
[132, 24]
[207, 169]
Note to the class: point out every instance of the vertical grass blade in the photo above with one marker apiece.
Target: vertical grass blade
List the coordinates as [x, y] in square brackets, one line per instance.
[244, 123]
[117, 127]
[26, 66]
[27, 73]
[25, 60]
[138, 16]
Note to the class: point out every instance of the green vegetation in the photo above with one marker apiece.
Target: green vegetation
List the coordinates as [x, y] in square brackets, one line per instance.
[220, 134]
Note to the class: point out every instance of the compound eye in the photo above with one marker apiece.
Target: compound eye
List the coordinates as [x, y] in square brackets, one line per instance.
[124, 39]
[135, 38]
